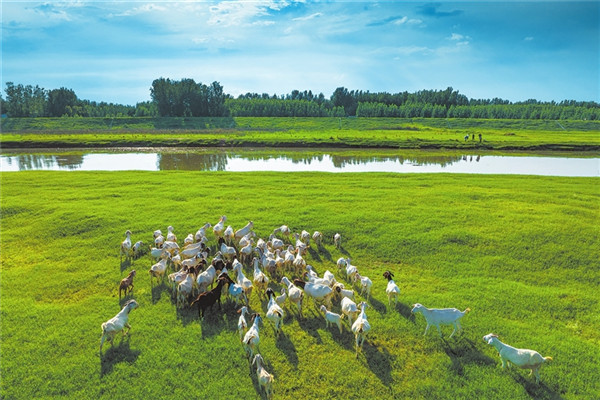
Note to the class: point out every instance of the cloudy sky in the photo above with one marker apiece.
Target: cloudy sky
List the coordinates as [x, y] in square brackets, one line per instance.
[112, 51]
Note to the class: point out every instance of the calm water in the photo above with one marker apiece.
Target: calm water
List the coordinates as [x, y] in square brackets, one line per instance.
[299, 160]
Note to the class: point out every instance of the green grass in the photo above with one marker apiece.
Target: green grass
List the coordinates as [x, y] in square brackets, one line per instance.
[521, 252]
[301, 132]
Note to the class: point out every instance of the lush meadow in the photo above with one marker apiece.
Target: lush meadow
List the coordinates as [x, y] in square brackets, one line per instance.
[521, 252]
[403, 133]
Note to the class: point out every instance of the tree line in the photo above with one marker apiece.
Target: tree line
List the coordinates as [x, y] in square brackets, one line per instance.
[187, 98]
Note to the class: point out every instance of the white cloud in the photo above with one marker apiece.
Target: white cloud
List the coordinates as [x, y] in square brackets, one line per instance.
[308, 17]
[528, 39]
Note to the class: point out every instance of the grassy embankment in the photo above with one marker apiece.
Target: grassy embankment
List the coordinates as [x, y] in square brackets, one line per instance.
[302, 132]
[521, 252]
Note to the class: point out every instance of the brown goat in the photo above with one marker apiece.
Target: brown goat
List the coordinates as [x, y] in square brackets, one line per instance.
[127, 284]
[208, 299]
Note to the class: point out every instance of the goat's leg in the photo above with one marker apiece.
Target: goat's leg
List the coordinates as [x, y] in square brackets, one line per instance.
[439, 330]
[452, 334]
[128, 328]
[426, 329]
[102, 339]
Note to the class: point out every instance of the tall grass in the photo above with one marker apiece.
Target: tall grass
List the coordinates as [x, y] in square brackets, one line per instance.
[521, 252]
[301, 132]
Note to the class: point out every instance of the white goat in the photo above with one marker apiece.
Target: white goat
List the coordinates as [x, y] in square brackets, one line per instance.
[319, 293]
[246, 251]
[281, 298]
[318, 238]
[351, 271]
[251, 338]
[206, 278]
[361, 327]
[219, 227]
[276, 244]
[294, 293]
[191, 250]
[184, 290]
[246, 239]
[158, 270]
[274, 311]
[349, 309]
[228, 235]
[265, 379]
[332, 318]
[339, 289]
[240, 233]
[117, 323]
[189, 239]
[228, 252]
[260, 279]
[522, 358]
[171, 235]
[200, 233]
[440, 316]
[139, 249]
[392, 290]
[365, 284]
[242, 324]
[126, 248]
[337, 240]
[284, 230]
[243, 281]
[305, 237]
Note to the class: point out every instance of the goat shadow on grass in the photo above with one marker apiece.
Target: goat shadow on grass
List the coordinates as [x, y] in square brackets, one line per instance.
[285, 345]
[541, 391]
[311, 326]
[314, 254]
[187, 315]
[214, 322]
[325, 252]
[463, 351]
[405, 311]
[344, 251]
[125, 264]
[157, 291]
[377, 305]
[117, 354]
[378, 361]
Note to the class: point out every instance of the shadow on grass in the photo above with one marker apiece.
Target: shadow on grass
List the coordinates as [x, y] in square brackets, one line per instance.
[378, 306]
[117, 354]
[125, 264]
[325, 252]
[378, 361]
[463, 351]
[405, 311]
[158, 290]
[311, 326]
[344, 251]
[285, 345]
[314, 254]
[541, 391]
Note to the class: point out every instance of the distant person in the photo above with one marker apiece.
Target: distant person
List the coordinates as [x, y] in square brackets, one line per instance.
[480, 138]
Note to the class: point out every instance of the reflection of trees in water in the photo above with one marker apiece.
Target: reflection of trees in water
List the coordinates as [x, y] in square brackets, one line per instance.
[192, 161]
[429, 159]
[27, 162]
[218, 161]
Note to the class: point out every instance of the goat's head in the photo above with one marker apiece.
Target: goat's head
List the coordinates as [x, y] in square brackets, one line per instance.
[270, 293]
[299, 283]
[417, 308]
[132, 273]
[130, 305]
[489, 338]
[388, 275]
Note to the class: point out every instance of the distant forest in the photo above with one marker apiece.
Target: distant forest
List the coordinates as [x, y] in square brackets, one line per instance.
[187, 98]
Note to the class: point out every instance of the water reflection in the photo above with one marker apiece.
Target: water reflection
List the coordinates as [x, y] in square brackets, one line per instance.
[300, 160]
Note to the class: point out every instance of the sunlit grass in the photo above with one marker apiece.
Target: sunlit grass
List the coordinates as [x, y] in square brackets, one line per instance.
[521, 252]
[302, 132]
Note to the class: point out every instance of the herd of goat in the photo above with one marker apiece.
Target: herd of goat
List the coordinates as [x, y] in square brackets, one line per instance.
[195, 282]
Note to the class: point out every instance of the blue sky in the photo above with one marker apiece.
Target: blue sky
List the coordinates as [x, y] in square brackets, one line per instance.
[112, 51]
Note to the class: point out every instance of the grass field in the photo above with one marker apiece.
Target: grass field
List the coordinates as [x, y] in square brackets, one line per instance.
[521, 252]
[302, 132]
